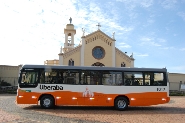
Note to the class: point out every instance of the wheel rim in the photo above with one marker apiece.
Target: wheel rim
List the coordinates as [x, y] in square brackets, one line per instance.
[46, 102]
[122, 104]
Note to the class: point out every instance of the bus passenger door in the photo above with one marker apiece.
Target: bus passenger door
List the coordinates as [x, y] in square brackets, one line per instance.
[89, 81]
[70, 82]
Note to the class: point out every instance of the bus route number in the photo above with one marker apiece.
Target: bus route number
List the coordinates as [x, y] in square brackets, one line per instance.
[160, 89]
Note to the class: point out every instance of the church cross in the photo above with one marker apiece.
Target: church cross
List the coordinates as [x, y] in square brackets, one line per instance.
[98, 26]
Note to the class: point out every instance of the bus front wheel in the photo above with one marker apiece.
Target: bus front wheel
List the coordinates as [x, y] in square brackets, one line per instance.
[121, 103]
[47, 102]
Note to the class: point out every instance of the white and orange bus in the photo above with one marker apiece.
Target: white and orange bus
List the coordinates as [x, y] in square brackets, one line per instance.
[92, 86]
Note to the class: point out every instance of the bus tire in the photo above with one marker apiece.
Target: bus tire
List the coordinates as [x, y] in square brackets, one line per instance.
[47, 102]
[121, 103]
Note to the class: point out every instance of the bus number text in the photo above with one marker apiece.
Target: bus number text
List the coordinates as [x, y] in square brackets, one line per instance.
[160, 89]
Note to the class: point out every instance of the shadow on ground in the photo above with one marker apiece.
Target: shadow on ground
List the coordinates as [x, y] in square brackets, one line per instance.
[110, 110]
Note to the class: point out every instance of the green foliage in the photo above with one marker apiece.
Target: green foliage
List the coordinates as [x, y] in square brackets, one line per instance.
[177, 94]
[3, 83]
[12, 92]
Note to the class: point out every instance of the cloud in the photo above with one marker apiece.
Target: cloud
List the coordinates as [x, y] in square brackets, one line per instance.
[168, 4]
[124, 45]
[149, 42]
[91, 14]
[182, 49]
[167, 48]
[131, 4]
[182, 15]
[40, 30]
[150, 21]
[140, 54]
[32, 35]
[146, 3]
[161, 40]
[180, 69]
[175, 34]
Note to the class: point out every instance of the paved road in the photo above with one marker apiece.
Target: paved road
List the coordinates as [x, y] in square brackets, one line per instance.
[173, 112]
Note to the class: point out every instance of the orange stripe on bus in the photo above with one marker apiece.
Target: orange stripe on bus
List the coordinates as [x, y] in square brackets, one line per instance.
[98, 99]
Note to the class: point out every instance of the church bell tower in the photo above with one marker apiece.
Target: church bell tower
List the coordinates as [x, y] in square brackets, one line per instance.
[69, 32]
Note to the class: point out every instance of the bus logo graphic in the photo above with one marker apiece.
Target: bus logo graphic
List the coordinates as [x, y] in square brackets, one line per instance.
[48, 87]
[88, 93]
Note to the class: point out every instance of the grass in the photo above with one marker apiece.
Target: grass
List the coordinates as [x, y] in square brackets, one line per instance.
[9, 92]
[177, 94]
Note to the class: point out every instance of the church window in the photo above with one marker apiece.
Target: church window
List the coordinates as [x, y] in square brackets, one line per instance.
[71, 62]
[69, 39]
[98, 64]
[123, 64]
[98, 52]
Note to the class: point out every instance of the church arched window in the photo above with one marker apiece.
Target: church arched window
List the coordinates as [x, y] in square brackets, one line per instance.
[123, 64]
[71, 62]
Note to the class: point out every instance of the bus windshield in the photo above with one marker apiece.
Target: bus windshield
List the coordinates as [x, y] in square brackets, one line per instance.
[28, 79]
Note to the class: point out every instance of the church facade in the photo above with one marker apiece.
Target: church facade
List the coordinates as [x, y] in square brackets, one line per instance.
[95, 49]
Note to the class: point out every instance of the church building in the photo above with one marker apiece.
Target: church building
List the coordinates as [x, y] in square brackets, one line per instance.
[95, 49]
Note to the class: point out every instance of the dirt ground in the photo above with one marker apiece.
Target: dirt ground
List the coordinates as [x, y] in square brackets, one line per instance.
[173, 112]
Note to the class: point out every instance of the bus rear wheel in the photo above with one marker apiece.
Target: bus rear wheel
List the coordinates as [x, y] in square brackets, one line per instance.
[47, 102]
[121, 103]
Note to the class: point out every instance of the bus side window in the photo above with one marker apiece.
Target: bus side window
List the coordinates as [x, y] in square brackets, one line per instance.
[128, 82]
[42, 77]
[154, 79]
[90, 77]
[60, 78]
[147, 76]
[69, 77]
[112, 78]
[159, 79]
[133, 78]
[48, 77]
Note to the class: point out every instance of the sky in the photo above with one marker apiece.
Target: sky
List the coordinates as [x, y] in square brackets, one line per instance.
[32, 31]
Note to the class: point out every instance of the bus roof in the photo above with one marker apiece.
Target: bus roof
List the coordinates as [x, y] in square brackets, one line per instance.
[93, 68]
